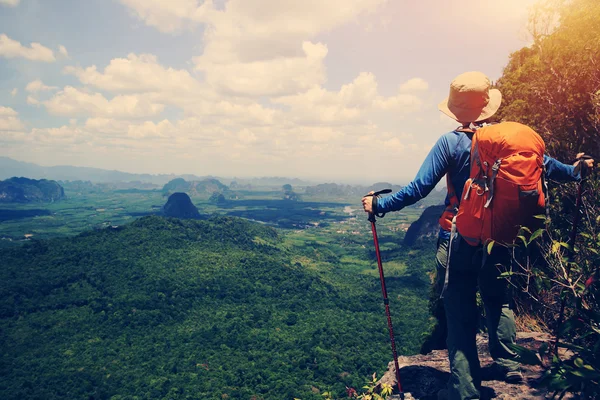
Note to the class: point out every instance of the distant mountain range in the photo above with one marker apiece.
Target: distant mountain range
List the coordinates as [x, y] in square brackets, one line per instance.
[204, 186]
[10, 168]
[336, 190]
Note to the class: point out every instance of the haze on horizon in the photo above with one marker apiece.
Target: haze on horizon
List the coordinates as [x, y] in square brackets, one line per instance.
[345, 91]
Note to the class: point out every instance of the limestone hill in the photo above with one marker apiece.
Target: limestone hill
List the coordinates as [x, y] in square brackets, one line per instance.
[25, 190]
[194, 188]
[180, 205]
[426, 226]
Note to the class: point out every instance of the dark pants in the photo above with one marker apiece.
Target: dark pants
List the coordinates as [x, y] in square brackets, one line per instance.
[467, 273]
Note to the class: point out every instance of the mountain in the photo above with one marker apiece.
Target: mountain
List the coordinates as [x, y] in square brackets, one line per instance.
[176, 309]
[24, 190]
[10, 167]
[426, 226]
[341, 190]
[198, 187]
[180, 205]
[268, 181]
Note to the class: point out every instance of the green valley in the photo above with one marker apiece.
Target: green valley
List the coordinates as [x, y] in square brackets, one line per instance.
[106, 303]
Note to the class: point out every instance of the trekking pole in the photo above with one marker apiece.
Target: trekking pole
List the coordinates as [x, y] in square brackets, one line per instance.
[386, 301]
[583, 170]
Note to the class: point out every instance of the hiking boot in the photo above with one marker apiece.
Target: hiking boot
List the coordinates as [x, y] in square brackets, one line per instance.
[513, 376]
[500, 373]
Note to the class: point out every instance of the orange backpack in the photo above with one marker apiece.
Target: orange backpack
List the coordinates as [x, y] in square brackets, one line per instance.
[505, 187]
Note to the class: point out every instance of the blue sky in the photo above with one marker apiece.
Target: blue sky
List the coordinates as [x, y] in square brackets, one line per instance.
[309, 89]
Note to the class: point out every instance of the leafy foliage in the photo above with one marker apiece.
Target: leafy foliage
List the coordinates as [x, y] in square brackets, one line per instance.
[554, 86]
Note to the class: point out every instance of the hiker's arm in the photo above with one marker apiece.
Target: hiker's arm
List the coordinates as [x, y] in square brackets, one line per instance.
[432, 170]
[557, 171]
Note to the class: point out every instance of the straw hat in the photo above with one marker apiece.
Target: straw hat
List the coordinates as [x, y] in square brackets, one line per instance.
[471, 98]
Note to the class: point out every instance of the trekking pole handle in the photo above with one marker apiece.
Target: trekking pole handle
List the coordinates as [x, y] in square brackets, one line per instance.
[376, 194]
[582, 167]
[383, 191]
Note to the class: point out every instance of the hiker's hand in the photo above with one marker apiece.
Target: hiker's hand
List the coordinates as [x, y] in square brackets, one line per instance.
[367, 203]
[589, 163]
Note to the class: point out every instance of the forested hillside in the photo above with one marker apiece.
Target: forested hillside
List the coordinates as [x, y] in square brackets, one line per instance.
[172, 309]
[554, 86]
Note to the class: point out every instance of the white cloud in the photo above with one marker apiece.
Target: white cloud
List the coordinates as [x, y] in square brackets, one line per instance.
[360, 92]
[63, 136]
[169, 15]
[136, 73]
[389, 142]
[38, 86]
[10, 48]
[106, 125]
[229, 113]
[414, 85]
[259, 47]
[264, 48]
[310, 16]
[62, 50]
[356, 101]
[9, 121]
[145, 77]
[72, 102]
[405, 103]
[149, 129]
[197, 144]
[246, 136]
[10, 3]
[275, 77]
[14, 92]
[266, 29]
[7, 112]
[143, 74]
[257, 104]
[34, 87]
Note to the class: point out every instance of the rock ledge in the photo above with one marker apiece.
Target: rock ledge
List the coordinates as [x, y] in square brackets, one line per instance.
[423, 376]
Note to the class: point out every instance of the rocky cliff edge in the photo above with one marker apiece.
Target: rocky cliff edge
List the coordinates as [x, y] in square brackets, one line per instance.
[423, 376]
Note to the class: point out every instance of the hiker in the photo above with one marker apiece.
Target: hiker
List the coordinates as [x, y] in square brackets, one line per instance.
[472, 103]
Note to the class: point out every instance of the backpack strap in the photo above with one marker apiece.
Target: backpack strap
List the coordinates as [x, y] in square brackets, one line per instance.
[452, 208]
[449, 257]
[495, 169]
[448, 219]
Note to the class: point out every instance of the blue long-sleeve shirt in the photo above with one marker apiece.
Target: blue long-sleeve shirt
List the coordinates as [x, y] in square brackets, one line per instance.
[451, 154]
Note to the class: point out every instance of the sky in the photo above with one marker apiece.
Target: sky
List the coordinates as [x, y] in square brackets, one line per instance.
[325, 90]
